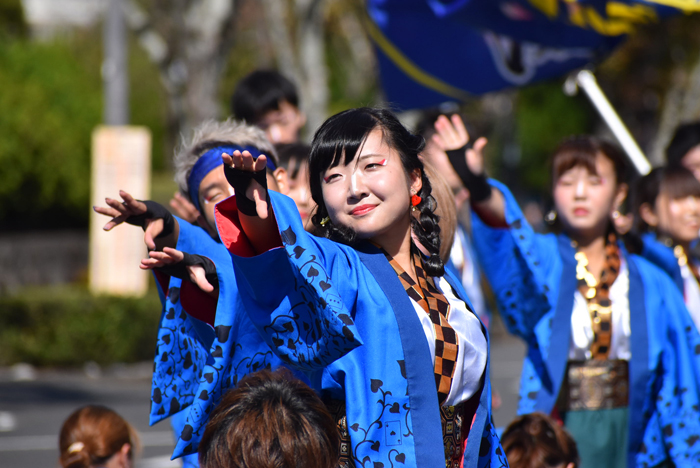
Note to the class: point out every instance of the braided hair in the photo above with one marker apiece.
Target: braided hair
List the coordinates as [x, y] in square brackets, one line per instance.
[338, 141]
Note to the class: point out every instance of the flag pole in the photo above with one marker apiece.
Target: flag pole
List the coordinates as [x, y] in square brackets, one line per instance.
[585, 80]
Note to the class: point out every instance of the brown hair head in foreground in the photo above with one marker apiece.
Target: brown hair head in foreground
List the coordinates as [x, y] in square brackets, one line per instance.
[537, 441]
[94, 436]
[270, 420]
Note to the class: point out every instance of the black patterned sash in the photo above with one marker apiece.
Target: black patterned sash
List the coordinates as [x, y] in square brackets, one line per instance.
[453, 433]
[336, 408]
[436, 306]
[597, 295]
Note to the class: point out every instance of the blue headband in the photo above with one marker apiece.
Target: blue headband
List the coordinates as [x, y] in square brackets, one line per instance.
[210, 161]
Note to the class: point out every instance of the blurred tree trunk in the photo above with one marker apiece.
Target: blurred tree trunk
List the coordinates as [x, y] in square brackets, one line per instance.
[681, 104]
[312, 54]
[297, 35]
[189, 41]
[362, 70]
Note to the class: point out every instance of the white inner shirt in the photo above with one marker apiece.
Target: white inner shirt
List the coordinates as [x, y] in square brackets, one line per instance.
[472, 353]
[691, 293]
[463, 260]
[582, 327]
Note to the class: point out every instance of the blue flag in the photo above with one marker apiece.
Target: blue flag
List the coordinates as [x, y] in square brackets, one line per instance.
[557, 23]
[431, 51]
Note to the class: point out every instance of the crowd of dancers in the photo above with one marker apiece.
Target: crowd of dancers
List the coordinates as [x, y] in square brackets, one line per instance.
[323, 304]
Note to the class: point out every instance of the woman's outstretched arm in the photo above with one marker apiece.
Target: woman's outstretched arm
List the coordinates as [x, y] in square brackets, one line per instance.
[161, 229]
[247, 176]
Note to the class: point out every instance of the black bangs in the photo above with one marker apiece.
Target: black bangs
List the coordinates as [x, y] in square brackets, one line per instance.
[341, 134]
[679, 182]
[582, 150]
[344, 133]
[686, 138]
[675, 181]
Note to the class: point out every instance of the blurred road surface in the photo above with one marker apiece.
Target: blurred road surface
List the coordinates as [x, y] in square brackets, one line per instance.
[33, 407]
[34, 404]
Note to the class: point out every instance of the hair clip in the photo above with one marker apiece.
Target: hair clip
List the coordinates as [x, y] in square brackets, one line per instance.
[76, 447]
[325, 221]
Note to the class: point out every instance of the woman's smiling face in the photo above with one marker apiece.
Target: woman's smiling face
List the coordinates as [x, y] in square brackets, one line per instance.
[678, 218]
[372, 193]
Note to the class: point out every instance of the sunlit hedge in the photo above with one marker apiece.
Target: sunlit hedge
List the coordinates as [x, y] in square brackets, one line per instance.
[68, 326]
[49, 105]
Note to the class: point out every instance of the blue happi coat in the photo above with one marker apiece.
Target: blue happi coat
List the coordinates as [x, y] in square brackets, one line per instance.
[662, 256]
[195, 363]
[295, 295]
[534, 279]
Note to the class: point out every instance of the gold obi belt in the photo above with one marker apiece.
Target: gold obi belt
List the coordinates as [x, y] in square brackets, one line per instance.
[594, 385]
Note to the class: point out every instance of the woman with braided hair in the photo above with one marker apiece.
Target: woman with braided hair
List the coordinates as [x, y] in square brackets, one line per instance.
[612, 352]
[414, 376]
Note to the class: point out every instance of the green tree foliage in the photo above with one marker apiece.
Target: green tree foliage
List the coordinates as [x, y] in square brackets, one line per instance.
[12, 18]
[544, 117]
[148, 104]
[69, 326]
[49, 105]
[638, 76]
[147, 101]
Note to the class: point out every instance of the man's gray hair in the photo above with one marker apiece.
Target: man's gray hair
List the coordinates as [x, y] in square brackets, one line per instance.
[211, 134]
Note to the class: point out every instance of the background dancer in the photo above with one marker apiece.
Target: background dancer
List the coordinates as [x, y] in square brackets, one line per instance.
[684, 148]
[667, 207]
[268, 100]
[610, 344]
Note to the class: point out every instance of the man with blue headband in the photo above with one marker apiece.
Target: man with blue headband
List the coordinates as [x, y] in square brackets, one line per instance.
[206, 341]
[199, 170]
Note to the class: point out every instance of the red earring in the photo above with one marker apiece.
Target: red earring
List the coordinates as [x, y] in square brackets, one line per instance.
[415, 200]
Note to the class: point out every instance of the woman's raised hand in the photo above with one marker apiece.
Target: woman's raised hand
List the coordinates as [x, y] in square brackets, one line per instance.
[248, 178]
[475, 156]
[451, 135]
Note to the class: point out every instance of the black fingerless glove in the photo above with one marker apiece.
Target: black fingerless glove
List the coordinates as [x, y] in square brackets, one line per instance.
[477, 184]
[240, 181]
[154, 211]
[179, 270]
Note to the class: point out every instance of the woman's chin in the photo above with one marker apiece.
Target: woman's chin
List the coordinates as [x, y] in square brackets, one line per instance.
[584, 227]
[684, 237]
